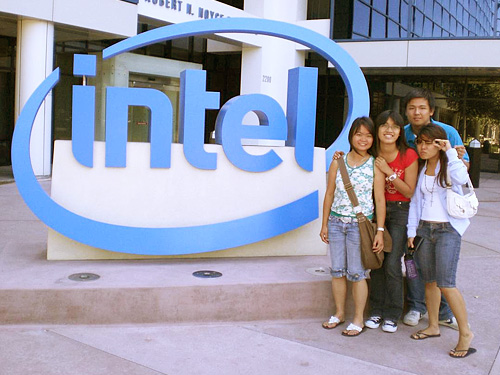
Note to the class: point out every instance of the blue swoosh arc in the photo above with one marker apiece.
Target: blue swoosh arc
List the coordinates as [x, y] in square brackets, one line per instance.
[135, 240]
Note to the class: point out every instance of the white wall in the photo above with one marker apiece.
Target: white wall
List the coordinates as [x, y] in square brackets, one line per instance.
[110, 16]
[416, 53]
[425, 53]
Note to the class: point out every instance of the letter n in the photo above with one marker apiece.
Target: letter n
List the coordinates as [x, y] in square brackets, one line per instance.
[118, 99]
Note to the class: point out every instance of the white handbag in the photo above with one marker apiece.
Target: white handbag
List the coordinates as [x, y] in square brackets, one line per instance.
[461, 206]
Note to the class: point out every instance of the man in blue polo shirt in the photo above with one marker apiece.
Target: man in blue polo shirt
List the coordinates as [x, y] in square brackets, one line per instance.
[419, 108]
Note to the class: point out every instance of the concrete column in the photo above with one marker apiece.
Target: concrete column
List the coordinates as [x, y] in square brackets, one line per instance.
[34, 62]
[265, 70]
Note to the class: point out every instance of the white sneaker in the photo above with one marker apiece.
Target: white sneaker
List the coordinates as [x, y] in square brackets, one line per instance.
[389, 326]
[412, 318]
[452, 323]
[373, 322]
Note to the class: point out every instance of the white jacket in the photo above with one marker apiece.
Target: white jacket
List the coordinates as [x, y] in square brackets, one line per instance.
[458, 175]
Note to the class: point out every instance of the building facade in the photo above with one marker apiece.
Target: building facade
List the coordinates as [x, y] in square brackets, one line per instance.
[442, 45]
[445, 45]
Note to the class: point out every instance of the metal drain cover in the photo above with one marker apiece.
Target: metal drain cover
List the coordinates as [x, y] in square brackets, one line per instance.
[318, 271]
[85, 276]
[207, 274]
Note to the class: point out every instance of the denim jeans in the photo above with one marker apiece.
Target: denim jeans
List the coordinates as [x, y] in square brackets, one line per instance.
[386, 291]
[345, 250]
[439, 253]
[416, 291]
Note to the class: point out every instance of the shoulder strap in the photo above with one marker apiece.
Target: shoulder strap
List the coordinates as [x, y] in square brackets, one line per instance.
[448, 181]
[347, 182]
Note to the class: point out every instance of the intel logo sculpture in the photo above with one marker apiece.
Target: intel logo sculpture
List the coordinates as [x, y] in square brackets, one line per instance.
[296, 128]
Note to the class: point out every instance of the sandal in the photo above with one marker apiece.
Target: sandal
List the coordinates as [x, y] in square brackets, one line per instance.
[332, 323]
[353, 327]
[453, 352]
[420, 335]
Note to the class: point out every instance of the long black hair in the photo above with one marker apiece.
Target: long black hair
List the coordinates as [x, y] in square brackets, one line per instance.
[368, 124]
[430, 132]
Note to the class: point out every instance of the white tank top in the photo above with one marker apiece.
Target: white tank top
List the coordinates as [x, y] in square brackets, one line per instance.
[432, 209]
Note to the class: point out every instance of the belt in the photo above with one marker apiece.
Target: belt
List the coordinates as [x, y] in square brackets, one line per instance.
[345, 219]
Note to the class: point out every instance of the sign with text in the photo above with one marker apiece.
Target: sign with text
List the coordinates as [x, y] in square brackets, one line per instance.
[224, 165]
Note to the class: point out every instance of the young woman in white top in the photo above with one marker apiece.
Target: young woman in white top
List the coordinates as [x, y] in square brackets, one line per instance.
[441, 233]
[340, 228]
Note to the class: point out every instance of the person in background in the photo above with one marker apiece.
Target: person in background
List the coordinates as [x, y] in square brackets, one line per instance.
[399, 164]
[340, 228]
[441, 233]
[419, 107]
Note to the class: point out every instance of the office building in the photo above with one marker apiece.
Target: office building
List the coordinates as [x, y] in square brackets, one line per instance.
[446, 45]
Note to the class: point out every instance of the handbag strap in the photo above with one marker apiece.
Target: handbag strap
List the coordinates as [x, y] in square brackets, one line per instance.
[350, 190]
[468, 183]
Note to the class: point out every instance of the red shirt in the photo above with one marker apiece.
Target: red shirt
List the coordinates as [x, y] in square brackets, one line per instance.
[399, 165]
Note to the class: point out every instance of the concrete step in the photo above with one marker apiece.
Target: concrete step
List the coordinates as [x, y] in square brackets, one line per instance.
[34, 290]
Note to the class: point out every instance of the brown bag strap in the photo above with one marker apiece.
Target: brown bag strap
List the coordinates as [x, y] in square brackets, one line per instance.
[349, 189]
[347, 182]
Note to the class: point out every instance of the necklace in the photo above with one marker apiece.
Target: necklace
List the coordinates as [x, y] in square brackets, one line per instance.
[357, 163]
[431, 191]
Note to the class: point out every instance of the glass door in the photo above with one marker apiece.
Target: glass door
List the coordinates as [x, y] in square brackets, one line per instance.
[139, 118]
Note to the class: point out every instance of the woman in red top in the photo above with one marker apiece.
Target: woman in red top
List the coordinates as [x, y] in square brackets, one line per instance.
[399, 163]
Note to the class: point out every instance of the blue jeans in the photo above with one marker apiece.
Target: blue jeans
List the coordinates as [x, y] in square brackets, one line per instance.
[345, 250]
[416, 291]
[439, 253]
[386, 290]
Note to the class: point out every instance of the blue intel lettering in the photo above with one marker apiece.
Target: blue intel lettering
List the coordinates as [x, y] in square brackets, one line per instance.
[296, 128]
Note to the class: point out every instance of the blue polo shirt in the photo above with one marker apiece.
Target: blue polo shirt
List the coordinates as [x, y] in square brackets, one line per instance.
[451, 133]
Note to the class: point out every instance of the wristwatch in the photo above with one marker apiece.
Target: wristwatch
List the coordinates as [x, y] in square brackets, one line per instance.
[392, 177]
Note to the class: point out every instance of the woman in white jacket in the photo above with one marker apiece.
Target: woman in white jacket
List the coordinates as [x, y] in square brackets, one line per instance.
[438, 253]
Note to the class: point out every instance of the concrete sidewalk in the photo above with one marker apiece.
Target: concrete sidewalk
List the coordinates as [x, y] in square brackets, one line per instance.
[291, 346]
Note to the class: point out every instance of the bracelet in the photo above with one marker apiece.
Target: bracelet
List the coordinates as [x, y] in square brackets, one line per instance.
[392, 177]
[380, 229]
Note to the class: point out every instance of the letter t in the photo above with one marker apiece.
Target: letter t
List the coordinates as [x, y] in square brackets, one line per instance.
[194, 100]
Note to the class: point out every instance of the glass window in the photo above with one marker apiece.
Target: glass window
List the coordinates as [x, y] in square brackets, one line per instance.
[318, 9]
[428, 8]
[419, 23]
[359, 37]
[361, 19]
[477, 27]
[378, 25]
[453, 7]
[380, 5]
[436, 31]
[453, 27]
[393, 10]
[393, 30]
[465, 20]
[472, 7]
[427, 27]
[460, 11]
[404, 14]
[446, 21]
[437, 16]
